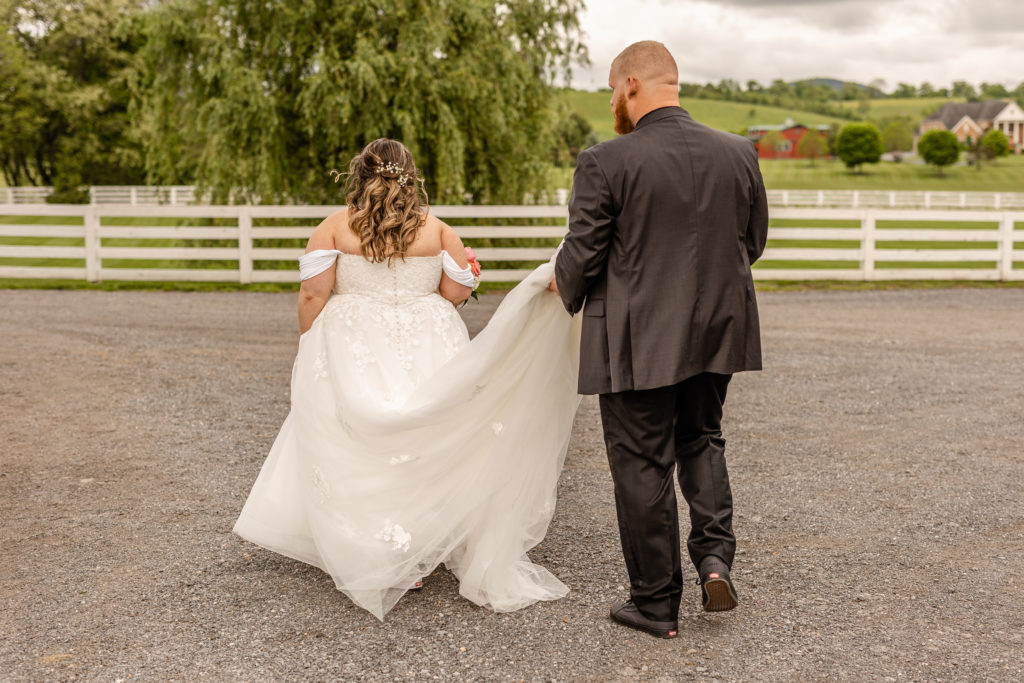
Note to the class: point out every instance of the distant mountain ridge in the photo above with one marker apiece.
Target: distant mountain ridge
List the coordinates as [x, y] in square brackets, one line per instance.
[833, 83]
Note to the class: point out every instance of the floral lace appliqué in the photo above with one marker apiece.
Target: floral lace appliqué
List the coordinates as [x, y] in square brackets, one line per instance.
[398, 537]
[360, 351]
[343, 422]
[447, 326]
[320, 366]
[322, 486]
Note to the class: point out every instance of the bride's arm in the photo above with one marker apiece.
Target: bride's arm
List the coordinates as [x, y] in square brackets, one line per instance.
[314, 292]
[449, 288]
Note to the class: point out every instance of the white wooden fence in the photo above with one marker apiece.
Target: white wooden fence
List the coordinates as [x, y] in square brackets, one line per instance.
[878, 199]
[912, 245]
[184, 195]
[169, 195]
[24, 195]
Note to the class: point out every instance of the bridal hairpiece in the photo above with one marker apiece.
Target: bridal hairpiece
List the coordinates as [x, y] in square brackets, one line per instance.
[394, 170]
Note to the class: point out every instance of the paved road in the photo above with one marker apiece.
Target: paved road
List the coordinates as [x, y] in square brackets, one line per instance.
[877, 465]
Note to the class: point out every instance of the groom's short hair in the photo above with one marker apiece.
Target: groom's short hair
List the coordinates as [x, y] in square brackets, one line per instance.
[647, 61]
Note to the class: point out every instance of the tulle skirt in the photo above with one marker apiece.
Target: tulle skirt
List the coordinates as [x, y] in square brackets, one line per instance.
[391, 463]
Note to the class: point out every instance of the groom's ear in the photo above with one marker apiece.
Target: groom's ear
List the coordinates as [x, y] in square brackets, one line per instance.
[632, 86]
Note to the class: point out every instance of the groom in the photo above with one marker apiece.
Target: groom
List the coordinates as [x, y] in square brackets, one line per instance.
[663, 225]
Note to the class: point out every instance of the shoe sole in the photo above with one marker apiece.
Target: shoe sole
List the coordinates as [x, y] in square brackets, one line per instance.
[668, 635]
[720, 596]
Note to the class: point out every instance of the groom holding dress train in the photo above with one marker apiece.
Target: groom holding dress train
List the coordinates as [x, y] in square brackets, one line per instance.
[664, 224]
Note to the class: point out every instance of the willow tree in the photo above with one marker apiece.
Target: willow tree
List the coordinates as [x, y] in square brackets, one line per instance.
[263, 99]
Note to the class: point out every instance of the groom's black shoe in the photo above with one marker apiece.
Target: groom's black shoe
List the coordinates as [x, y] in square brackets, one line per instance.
[628, 614]
[716, 589]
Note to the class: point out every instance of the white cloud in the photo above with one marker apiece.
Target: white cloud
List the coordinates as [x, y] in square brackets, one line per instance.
[860, 40]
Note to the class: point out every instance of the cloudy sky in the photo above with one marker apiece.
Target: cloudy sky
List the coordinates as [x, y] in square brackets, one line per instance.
[860, 40]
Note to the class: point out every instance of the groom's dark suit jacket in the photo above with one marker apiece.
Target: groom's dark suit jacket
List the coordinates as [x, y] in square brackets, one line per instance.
[663, 225]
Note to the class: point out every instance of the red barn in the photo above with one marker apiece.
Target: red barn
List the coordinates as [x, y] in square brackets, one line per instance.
[781, 141]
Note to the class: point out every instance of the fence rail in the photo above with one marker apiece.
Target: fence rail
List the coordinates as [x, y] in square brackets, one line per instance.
[804, 244]
[185, 195]
[879, 199]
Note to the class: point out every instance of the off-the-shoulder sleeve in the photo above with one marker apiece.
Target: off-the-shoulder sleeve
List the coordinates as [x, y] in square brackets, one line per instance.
[316, 262]
[464, 276]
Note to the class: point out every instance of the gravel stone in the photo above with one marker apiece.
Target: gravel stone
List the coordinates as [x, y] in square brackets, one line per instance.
[877, 467]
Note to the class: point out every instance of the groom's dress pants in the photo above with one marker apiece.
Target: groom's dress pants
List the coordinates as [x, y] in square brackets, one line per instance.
[647, 435]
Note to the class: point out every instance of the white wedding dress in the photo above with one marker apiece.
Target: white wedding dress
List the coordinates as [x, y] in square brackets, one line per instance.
[408, 445]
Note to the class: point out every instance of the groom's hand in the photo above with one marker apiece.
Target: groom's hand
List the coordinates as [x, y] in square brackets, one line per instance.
[553, 285]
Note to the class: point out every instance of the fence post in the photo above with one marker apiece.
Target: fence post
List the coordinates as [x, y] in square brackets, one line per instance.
[1006, 247]
[867, 245]
[927, 199]
[963, 200]
[134, 196]
[785, 197]
[996, 201]
[892, 199]
[244, 244]
[821, 198]
[92, 244]
[174, 196]
[856, 199]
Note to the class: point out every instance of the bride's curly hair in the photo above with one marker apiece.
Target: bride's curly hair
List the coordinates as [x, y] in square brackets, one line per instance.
[386, 200]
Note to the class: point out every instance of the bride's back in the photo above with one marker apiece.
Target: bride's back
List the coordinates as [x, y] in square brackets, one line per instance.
[416, 273]
[412, 276]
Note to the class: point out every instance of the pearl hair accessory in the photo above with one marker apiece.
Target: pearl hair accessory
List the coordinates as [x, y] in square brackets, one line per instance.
[394, 171]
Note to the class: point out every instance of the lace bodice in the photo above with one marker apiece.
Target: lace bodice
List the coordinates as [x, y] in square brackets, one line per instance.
[395, 327]
[415, 276]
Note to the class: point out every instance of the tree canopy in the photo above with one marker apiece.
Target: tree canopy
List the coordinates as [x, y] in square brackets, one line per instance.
[859, 144]
[898, 136]
[264, 99]
[772, 141]
[573, 135]
[995, 144]
[939, 148]
[812, 145]
[63, 104]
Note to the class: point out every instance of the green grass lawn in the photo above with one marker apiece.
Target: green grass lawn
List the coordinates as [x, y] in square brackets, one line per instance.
[1006, 175]
[730, 116]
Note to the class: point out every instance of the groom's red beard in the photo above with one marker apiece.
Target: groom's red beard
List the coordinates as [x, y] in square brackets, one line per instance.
[622, 123]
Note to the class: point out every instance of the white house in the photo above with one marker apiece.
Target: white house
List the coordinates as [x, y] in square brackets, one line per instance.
[974, 119]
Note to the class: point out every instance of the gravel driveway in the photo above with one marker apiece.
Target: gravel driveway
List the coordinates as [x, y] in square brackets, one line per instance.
[877, 466]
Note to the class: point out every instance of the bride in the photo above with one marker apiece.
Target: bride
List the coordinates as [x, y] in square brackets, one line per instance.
[408, 445]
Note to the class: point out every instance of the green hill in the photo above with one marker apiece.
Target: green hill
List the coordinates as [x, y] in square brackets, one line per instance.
[916, 107]
[729, 116]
